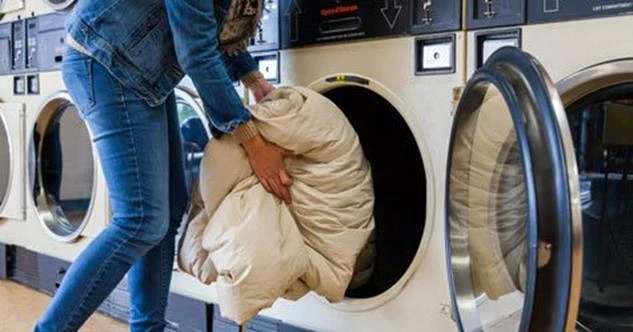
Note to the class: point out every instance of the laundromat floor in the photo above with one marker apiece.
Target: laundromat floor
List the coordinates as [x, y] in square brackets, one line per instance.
[20, 308]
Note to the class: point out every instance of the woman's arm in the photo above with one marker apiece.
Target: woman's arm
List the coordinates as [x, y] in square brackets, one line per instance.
[244, 68]
[194, 30]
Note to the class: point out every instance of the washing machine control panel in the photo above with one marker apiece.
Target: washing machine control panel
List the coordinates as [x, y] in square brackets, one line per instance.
[18, 46]
[494, 13]
[436, 16]
[488, 42]
[435, 55]
[556, 10]
[305, 22]
[31, 42]
[5, 49]
[50, 41]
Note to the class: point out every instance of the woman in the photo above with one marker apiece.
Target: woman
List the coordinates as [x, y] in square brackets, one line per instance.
[124, 60]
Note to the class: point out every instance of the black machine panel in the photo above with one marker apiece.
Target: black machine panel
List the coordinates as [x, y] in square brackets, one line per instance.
[436, 16]
[305, 22]
[17, 43]
[267, 37]
[494, 13]
[31, 42]
[556, 10]
[5, 49]
[50, 41]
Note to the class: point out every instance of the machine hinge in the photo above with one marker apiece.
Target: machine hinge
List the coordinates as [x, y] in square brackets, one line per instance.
[490, 11]
[427, 16]
[457, 96]
[544, 254]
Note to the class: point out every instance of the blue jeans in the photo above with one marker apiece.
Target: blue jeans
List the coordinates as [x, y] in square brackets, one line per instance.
[140, 151]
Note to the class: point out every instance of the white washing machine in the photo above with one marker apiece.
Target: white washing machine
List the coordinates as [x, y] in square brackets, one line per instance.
[402, 112]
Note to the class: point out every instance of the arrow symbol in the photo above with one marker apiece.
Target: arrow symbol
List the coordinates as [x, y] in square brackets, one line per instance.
[292, 13]
[391, 12]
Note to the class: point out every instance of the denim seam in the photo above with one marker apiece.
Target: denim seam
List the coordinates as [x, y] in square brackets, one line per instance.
[99, 273]
[91, 86]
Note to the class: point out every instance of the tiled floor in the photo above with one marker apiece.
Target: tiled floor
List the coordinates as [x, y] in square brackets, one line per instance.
[20, 308]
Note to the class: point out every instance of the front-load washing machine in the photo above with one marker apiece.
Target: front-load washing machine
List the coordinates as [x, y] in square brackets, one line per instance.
[59, 206]
[398, 94]
[583, 50]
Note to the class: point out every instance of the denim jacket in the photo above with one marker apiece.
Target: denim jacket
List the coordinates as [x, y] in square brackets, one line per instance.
[149, 45]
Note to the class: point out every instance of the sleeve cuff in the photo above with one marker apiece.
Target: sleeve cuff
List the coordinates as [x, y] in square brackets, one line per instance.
[249, 79]
[245, 132]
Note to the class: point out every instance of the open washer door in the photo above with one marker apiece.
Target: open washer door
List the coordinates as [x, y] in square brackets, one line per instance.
[513, 216]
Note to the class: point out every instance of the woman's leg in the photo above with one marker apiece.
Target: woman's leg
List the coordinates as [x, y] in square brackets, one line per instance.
[150, 277]
[130, 138]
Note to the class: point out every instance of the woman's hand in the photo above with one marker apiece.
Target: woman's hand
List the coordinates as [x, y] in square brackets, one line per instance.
[261, 88]
[267, 161]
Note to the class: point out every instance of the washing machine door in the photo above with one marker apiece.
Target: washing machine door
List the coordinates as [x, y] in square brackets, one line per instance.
[195, 133]
[11, 168]
[62, 169]
[513, 218]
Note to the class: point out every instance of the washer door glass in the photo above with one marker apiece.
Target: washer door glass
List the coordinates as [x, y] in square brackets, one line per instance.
[64, 170]
[5, 162]
[195, 136]
[513, 218]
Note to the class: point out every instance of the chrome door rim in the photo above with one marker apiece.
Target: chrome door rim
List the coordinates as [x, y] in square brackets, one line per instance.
[44, 212]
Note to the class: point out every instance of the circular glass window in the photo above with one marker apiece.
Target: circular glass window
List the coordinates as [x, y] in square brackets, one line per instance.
[399, 179]
[195, 136]
[5, 162]
[602, 129]
[63, 185]
[488, 214]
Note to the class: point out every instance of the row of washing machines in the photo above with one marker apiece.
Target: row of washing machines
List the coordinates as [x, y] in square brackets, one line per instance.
[460, 132]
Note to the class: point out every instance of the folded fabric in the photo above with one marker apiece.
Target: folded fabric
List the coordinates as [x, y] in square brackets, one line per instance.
[256, 248]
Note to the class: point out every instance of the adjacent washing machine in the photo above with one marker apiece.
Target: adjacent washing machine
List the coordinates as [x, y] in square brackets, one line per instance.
[540, 231]
[585, 49]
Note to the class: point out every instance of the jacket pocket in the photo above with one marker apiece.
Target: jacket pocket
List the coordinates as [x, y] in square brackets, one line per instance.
[154, 52]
